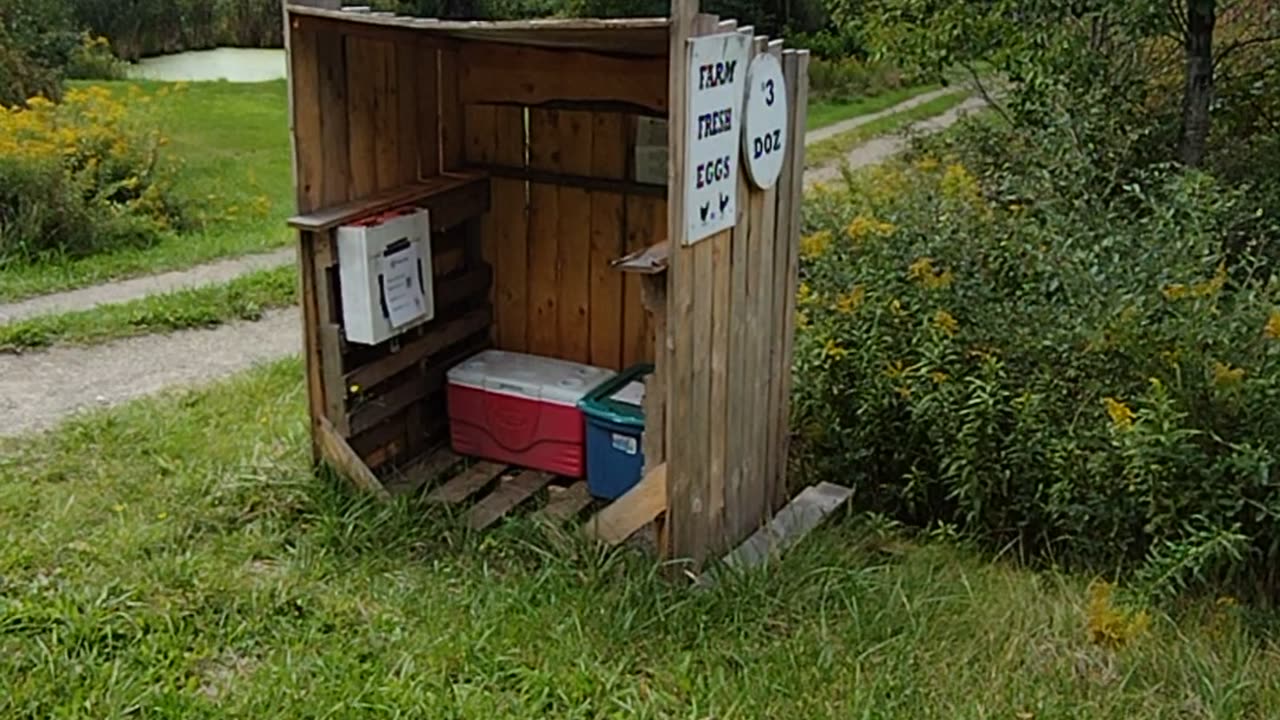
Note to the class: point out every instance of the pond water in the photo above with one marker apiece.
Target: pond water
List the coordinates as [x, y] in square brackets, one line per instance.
[232, 64]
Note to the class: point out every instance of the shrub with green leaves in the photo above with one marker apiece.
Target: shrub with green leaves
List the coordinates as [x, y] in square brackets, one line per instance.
[1091, 378]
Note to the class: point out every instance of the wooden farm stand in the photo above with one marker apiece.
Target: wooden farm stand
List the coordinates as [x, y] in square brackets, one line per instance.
[519, 138]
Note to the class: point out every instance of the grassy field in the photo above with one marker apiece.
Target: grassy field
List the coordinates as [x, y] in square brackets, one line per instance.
[176, 558]
[829, 112]
[834, 148]
[229, 146]
[244, 298]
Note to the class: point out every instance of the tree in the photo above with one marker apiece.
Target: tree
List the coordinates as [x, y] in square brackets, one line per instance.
[1078, 46]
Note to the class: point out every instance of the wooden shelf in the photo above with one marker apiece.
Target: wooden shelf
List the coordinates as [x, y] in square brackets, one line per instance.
[649, 261]
[451, 199]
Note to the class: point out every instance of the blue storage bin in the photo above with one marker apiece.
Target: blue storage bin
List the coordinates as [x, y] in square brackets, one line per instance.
[614, 416]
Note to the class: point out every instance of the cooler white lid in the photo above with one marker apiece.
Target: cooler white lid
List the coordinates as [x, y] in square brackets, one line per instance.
[533, 376]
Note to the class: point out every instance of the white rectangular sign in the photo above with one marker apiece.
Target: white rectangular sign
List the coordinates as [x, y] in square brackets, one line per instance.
[717, 79]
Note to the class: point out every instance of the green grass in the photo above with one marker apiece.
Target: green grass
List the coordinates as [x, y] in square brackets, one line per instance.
[836, 147]
[244, 298]
[829, 112]
[176, 558]
[229, 147]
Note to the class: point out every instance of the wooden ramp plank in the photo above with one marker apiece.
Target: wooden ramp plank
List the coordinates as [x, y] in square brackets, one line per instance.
[640, 506]
[565, 504]
[506, 496]
[466, 484]
[804, 513]
[423, 472]
[347, 461]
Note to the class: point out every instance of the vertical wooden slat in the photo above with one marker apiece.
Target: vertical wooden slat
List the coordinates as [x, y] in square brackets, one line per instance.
[608, 160]
[646, 219]
[796, 72]
[544, 279]
[408, 70]
[361, 116]
[742, 392]
[718, 254]
[304, 119]
[334, 119]
[753, 493]
[481, 147]
[510, 216]
[384, 78]
[689, 326]
[427, 76]
[480, 137]
[451, 118]
[574, 249]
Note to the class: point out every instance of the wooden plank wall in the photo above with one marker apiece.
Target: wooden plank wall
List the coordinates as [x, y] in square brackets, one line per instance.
[550, 240]
[367, 118]
[730, 314]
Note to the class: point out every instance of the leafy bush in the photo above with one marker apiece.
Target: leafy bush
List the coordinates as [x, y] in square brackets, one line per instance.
[79, 177]
[849, 79]
[92, 59]
[1090, 376]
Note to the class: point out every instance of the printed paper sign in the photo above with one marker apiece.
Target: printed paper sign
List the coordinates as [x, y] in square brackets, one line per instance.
[401, 288]
[717, 76]
[764, 140]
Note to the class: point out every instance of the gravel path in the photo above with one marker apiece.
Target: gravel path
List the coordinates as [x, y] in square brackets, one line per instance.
[882, 148]
[843, 126]
[39, 389]
[132, 289]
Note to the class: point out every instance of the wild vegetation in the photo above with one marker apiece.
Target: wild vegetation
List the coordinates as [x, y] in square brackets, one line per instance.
[1057, 330]
[80, 176]
[178, 557]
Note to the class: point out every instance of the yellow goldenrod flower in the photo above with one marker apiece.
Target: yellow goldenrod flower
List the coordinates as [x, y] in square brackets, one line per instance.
[804, 295]
[1214, 284]
[1272, 328]
[848, 303]
[833, 350]
[923, 272]
[1224, 375]
[1121, 415]
[945, 322]
[815, 245]
[864, 226]
[895, 369]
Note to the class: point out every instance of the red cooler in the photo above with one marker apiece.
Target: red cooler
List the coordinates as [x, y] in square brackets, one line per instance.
[521, 409]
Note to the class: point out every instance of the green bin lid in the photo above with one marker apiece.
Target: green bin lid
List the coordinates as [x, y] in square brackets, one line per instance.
[601, 403]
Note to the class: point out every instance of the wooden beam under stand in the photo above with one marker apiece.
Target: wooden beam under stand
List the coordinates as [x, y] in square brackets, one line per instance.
[564, 504]
[506, 497]
[468, 483]
[640, 506]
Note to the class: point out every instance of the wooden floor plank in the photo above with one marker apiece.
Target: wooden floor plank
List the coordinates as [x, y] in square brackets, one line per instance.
[565, 504]
[466, 484]
[423, 472]
[506, 496]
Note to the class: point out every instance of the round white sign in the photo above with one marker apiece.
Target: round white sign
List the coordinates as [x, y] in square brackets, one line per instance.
[764, 134]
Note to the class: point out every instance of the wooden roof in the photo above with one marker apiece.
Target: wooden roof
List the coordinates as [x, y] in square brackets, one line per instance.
[631, 36]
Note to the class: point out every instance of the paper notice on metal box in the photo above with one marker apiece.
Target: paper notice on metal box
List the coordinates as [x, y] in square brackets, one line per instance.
[401, 286]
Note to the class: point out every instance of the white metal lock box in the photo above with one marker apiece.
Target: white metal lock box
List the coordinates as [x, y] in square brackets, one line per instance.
[384, 270]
